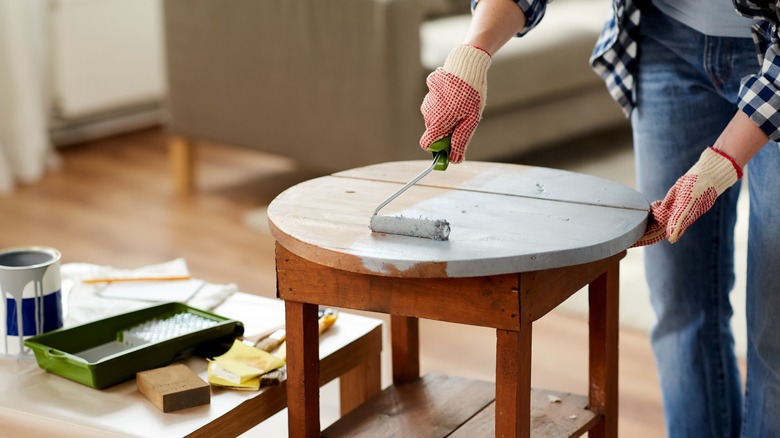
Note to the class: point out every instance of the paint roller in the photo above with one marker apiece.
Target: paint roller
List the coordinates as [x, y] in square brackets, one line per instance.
[436, 229]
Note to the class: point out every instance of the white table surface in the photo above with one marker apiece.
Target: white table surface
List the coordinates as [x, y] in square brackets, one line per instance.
[33, 401]
[505, 218]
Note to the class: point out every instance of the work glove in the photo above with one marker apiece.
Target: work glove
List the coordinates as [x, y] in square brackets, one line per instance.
[455, 99]
[691, 196]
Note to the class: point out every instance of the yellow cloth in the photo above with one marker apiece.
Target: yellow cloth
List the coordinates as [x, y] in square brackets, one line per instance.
[241, 367]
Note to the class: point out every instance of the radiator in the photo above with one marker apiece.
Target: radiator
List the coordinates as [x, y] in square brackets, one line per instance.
[106, 66]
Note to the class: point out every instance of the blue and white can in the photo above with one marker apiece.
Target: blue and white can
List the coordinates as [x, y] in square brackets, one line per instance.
[31, 295]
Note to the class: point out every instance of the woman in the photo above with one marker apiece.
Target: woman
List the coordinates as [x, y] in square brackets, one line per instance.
[677, 68]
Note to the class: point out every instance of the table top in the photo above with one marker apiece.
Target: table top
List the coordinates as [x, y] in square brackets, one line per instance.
[33, 400]
[505, 218]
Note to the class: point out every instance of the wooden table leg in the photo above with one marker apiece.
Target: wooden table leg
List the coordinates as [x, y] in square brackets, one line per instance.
[513, 382]
[405, 338]
[603, 358]
[181, 154]
[303, 369]
[360, 383]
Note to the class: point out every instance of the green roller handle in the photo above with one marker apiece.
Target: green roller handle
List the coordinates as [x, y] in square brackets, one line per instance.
[441, 152]
[441, 159]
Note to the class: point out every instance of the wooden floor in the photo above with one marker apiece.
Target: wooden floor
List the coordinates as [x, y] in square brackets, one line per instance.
[112, 203]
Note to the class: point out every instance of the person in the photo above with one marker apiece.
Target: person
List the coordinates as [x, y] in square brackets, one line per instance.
[703, 99]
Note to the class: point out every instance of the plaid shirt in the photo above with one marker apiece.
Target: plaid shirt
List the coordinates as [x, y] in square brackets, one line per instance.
[615, 57]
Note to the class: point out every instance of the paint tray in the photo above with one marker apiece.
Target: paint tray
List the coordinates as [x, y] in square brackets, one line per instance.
[108, 351]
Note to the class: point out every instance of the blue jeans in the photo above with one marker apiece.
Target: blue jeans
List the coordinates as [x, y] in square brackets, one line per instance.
[686, 94]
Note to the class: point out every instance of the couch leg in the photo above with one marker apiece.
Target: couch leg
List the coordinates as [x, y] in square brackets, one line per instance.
[181, 154]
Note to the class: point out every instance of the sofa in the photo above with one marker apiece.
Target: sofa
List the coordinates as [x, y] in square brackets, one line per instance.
[338, 84]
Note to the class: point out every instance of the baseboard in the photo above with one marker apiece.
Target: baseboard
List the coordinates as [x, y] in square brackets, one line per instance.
[69, 132]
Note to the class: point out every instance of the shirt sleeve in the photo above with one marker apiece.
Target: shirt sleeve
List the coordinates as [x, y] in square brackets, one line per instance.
[759, 95]
[532, 9]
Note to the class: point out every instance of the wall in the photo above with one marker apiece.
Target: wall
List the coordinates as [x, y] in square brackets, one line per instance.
[105, 66]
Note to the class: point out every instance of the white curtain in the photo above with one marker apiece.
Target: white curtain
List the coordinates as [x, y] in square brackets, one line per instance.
[25, 150]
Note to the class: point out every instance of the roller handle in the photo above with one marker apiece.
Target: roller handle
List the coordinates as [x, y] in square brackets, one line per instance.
[441, 152]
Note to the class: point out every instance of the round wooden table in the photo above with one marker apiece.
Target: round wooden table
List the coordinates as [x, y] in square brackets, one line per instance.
[523, 240]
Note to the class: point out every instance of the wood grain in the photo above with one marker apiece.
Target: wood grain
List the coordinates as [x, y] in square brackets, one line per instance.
[513, 382]
[360, 384]
[603, 300]
[553, 414]
[303, 393]
[532, 182]
[432, 406]
[405, 339]
[173, 387]
[496, 303]
[437, 406]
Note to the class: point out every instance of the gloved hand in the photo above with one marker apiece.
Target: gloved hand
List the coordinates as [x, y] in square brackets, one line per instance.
[691, 196]
[455, 99]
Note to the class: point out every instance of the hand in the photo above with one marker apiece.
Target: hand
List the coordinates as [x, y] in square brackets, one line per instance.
[455, 99]
[656, 232]
[690, 197]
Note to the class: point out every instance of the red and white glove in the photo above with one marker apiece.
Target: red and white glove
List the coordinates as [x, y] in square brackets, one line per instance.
[455, 99]
[691, 196]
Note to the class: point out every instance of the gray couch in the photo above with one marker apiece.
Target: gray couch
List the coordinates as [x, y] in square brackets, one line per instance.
[337, 84]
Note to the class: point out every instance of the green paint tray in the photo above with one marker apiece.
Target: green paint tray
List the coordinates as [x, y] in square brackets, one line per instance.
[111, 350]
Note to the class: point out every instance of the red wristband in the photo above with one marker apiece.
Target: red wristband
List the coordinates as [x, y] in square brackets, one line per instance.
[737, 167]
[479, 48]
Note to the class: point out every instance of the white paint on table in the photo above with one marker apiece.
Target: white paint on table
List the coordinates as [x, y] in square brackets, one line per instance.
[505, 219]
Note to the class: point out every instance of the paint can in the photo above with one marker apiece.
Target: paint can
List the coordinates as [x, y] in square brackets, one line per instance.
[30, 287]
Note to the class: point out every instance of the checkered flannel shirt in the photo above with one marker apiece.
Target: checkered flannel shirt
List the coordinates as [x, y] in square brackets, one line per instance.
[615, 57]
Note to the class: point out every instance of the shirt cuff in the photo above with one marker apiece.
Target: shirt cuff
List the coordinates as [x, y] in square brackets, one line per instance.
[532, 9]
[759, 99]
[534, 12]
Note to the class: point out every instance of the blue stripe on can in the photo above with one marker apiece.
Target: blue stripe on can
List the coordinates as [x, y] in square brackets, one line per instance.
[52, 315]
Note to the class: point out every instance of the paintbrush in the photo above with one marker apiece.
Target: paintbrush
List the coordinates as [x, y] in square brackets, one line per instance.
[273, 340]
